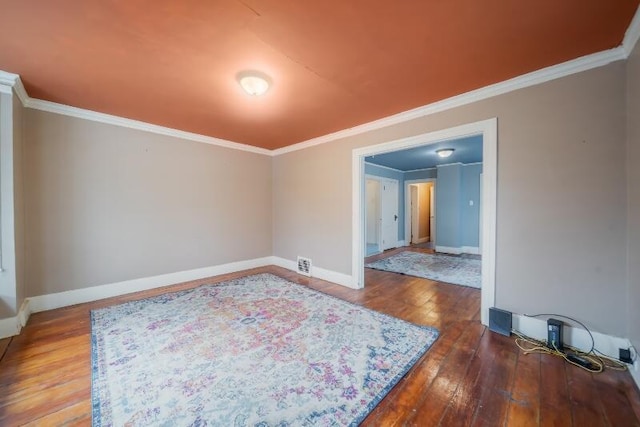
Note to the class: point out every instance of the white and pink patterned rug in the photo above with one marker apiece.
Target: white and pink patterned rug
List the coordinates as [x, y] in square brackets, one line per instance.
[259, 350]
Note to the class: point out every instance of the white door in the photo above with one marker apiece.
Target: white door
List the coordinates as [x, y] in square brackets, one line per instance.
[389, 214]
[432, 213]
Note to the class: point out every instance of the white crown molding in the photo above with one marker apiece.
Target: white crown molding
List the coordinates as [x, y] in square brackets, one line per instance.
[526, 80]
[21, 92]
[421, 170]
[7, 81]
[81, 113]
[10, 80]
[448, 164]
[584, 63]
[632, 34]
[383, 167]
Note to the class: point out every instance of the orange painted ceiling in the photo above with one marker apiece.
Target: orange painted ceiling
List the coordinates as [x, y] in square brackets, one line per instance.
[334, 64]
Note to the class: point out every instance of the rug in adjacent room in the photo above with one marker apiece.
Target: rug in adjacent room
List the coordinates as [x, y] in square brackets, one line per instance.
[459, 270]
[259, 350]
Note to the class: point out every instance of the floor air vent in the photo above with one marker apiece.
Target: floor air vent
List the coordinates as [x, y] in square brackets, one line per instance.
[304, 266]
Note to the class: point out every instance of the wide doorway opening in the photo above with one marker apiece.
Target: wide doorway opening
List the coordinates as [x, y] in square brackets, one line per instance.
[487, 130]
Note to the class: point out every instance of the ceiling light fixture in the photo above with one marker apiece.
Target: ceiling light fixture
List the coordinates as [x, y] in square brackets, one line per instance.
[445, 152]
[254, 83]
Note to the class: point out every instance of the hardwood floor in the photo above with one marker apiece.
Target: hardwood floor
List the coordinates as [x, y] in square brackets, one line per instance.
[470, 376]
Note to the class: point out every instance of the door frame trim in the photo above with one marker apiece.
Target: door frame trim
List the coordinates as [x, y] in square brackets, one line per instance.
[489, 131]
[407, 203]
[378, 179]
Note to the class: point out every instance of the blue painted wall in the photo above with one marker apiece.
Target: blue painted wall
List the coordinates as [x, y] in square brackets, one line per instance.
[448, 194]
[374, 170]
[458, 222]
[470, 215]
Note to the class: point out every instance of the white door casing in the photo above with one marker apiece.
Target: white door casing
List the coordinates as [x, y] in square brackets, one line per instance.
[489, 131]
[407, 203]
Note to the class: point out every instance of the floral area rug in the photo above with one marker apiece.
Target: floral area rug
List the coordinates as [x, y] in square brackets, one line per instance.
[256, 351]
[459, 270]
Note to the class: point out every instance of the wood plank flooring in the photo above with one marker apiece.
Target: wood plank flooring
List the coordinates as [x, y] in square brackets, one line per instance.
[470, 376]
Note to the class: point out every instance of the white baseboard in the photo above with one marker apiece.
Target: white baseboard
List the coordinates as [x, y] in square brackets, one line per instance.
[458, 250]
[9, 327]
[24, 313]
[78, 296]
[574, 336]
[12, 326]
[635, 372]
[401, 243]
[579, 338]
[473, 250]
[448, 250]
[318, 272]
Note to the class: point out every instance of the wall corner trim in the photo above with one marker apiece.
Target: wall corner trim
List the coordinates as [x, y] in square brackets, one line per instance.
[9, 327]
[12, 326]
[8, 79]
[632, 34]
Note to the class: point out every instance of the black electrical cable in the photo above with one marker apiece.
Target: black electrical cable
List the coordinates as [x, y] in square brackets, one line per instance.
[593, 341]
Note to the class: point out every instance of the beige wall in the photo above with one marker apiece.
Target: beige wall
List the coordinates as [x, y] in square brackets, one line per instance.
[633, 191]
[561, 244]
[312, 206]
[106, 204]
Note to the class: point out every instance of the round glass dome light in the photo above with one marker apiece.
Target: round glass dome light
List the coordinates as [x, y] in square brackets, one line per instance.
[255, 84]
[445, 152]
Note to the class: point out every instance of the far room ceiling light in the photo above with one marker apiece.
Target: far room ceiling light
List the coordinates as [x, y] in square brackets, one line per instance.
[254, 82]
[445, 152]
